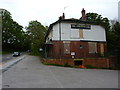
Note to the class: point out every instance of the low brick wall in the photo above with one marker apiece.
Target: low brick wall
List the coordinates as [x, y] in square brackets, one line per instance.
[59, 61]
[96, 62]
[113, 62]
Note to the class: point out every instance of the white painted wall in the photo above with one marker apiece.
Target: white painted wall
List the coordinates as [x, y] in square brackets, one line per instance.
[55, 32]
[119, 11]
[97, 33]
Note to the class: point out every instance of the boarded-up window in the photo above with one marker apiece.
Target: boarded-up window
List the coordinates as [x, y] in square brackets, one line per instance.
[81, 33]
[66, 47]
[92, 47]
[102, 49]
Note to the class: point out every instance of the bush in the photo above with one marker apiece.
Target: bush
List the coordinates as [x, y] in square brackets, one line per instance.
[90, 67]
[67, 65]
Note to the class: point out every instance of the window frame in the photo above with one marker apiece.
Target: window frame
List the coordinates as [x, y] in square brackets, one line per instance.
[92, 45]
[66, 45]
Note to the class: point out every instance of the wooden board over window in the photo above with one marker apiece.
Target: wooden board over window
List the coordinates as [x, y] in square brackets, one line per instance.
[92, 47]
[66, 47]
[102, 49]
[81, 33]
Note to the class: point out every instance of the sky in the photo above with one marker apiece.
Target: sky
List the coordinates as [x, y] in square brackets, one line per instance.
[48, 11]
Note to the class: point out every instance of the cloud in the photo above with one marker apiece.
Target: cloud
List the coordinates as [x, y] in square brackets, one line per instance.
[48, 11]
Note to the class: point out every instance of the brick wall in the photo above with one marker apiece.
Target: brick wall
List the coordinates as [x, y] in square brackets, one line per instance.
[74, 47]
[59, 61]
[96, 62]
[113, 61]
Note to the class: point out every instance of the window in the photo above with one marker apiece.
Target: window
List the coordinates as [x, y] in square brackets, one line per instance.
[81, 46]
[102, 49]
[92, 47]
[81, 33]
[77, 33]
[66, 47]
[77, 63]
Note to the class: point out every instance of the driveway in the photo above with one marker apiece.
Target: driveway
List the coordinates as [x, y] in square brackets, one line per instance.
[31, 73]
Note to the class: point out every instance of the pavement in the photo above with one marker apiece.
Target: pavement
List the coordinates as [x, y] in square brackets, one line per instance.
[31, 73]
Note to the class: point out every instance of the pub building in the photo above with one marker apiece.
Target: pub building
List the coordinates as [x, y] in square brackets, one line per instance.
[75, 38]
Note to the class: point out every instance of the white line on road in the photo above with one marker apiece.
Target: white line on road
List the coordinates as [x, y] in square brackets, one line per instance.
[61, 86]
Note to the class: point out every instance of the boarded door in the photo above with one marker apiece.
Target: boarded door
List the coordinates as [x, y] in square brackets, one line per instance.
[102, 49]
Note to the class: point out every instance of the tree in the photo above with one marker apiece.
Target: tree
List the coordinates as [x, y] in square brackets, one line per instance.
[116, 31]
[13, 36]
[37, 32]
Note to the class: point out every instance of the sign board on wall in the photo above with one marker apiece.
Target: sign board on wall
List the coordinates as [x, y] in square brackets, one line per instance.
[81, 26]
[72, 53]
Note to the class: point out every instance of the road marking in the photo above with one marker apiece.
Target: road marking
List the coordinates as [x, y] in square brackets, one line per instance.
[61, 86]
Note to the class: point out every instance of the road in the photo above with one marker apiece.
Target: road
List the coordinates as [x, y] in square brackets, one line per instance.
[31, 73]
[7, 57]
[6, 61]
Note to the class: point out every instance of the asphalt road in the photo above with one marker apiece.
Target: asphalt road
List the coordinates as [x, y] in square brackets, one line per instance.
[7, 57]
[31, 73]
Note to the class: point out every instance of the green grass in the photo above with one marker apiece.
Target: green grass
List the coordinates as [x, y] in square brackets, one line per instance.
[65, 65]
[90, 67]
[6, 52]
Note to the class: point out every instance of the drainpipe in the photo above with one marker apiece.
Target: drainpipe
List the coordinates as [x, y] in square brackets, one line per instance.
[60, 39]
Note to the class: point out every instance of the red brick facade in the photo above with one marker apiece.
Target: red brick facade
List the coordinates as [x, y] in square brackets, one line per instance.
[57, 50]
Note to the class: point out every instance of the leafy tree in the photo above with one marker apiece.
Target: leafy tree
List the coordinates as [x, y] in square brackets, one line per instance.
[37, 33]
[13, 36]
[116, 32]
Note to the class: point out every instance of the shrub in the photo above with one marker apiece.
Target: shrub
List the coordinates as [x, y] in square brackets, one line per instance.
[67, 65]
[89, 66]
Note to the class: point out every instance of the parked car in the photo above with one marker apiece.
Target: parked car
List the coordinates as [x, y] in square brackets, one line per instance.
[16, 54]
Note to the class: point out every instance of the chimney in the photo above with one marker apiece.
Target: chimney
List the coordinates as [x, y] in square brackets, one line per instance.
[83, 15]
[63, 16]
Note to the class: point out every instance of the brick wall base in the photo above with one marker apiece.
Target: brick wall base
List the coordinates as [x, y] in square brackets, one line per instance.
[59, 61]
[96, 62]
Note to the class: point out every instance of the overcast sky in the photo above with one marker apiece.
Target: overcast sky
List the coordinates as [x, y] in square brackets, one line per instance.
[48, 11]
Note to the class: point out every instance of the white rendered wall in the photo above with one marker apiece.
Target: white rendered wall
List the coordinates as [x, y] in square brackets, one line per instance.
[55, 32]
[119, 11]
[96, 33]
